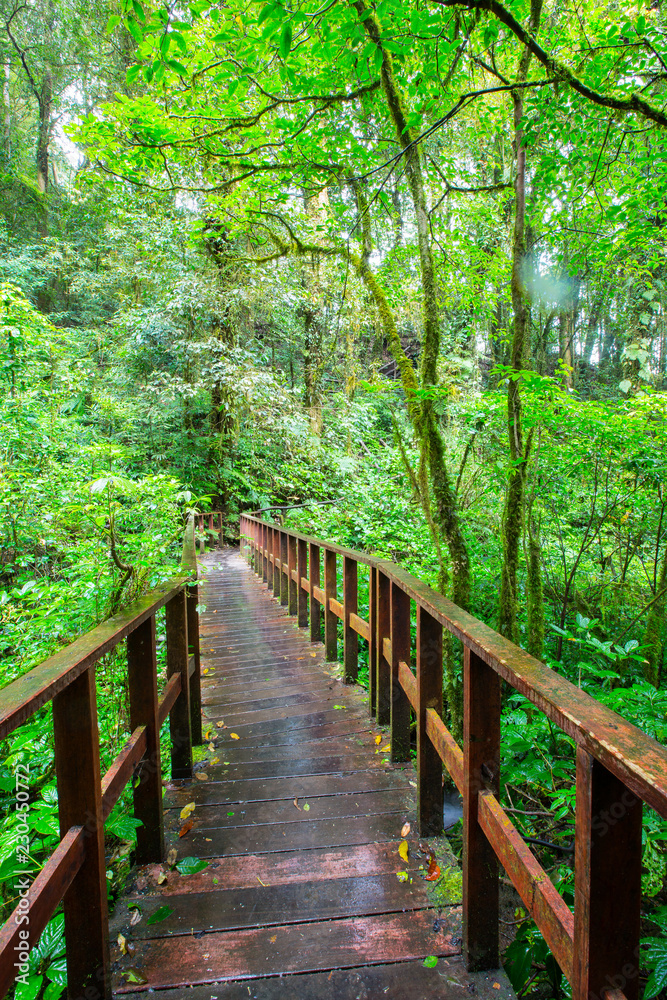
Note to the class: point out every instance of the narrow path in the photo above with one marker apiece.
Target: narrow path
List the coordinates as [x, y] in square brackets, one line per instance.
[298, 816]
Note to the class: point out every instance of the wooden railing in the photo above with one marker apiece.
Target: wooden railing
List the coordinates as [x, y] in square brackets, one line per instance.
[208, 527]
[76, 871]
[617, 766]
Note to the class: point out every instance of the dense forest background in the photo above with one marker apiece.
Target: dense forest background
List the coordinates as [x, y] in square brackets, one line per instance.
[394, 271]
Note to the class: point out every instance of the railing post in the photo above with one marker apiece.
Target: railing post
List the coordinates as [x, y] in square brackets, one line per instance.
[177, 663]
[330, 619]
[220, 533]
[383, 714]
[284, 579]
[291, 567]
[77, 759]
[350, 605]
[429, 695]
[276, 562]
[607, 887]
[265, 552]
[147, 791]
[373, 640]
[481, 768]
[314, 577]
[302, 574]
[400, 650]
[192, 592]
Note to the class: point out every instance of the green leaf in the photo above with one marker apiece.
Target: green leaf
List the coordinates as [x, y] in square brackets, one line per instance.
[30, 989]
[112, 23]
[190, 866]
[267, 11]
[177, 67]
[139, 10]
[286, 39]
[160, 914]
[430, 961]
[134, 29]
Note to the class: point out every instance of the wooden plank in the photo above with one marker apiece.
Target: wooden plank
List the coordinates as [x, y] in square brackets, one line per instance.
[336, 607]
[542, 900]
[299, 948]
[147, 791]
[122, 769]
[290, 710]
[298, 723]
[44, 895]
[302, 787]
[397, 981]
[24, 696]
[481, 769]
[408, 682]
[315, 763]
[400, 647]
[429, 696]
[360, 626]
[350, 638]
[449, 750]
[306, 836]
[271, 905]
[607, 888]
[288, 868]
[171, 692]
[177, 664]
[318, 594]
[77, 758]
[383, 711]
[284, 811]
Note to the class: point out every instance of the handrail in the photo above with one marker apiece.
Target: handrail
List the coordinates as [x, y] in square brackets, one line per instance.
[202, 528]
[618, 766]
[76, 870]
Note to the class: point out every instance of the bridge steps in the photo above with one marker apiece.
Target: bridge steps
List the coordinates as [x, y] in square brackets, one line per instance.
[294, 901]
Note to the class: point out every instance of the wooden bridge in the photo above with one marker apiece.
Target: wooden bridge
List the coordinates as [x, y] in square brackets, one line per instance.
[294, 815]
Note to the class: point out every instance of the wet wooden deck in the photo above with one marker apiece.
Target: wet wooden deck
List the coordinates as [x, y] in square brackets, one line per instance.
[299, 818]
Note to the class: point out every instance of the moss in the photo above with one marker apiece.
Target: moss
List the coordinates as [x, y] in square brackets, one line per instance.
[448, 890]
[535, 599]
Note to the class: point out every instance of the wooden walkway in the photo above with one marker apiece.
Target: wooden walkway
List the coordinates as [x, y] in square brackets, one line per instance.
[298, 816]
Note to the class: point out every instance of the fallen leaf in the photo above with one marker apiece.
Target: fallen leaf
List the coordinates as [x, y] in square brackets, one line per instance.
[384, 749]
[273, 939]
[162, 878]
[496, 986]
[220, 725]
[185, 829]
[235, 736]
[413, 783]
[134, 976]
[339, 706]
[214, 760]
[403, 850]
[405, 830]
[122, 944]
[171, 857]
[306, 807]
[190, 866]
[160, 914]
[260, 882]
[430, 961]
[205, 670]
[201, 776]
[135, 917]
[378, 740]
[433, 873]
[296, 803]
[402, 876]
[211, 747]
[186, 810]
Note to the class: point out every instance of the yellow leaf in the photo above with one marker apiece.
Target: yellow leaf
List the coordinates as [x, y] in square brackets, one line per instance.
[186, 810]
[162, 878]
[273, 939]
[235, 736]
[403, 850]
[214, 760]
[378, 740]
[220, 725]
[122, 944]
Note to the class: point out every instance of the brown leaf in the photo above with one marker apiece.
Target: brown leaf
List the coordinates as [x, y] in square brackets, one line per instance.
[122, 944]
[201, 776]
[136, 917]
[171, 857]
[405, 830]
[185, 829]
[296, 803]
[433, 872]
